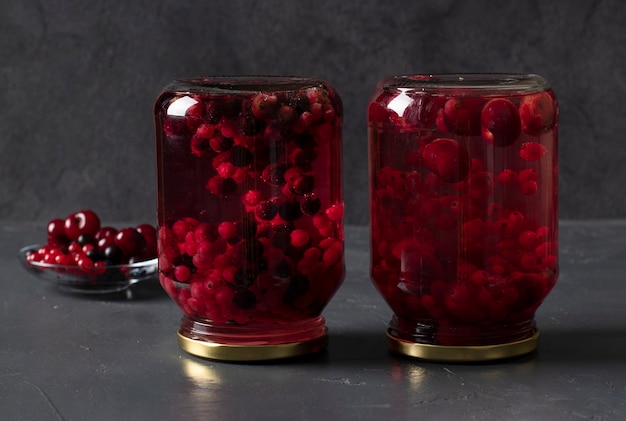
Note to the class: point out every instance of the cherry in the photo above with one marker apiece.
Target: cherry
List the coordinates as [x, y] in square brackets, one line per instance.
[379, 111]
[447, 159]
[131, 242]
[105, 232]
[149, 234]
[82, 222]
[462, 116]
[56, 233]
[422, 112]
[537, 113]
[500, 122]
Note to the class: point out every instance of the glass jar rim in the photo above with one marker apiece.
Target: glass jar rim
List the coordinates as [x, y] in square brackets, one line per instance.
[471, 83]
[245, 84]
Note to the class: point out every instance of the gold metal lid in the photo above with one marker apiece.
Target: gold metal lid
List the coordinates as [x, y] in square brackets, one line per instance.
[463, 353]
[241, 353]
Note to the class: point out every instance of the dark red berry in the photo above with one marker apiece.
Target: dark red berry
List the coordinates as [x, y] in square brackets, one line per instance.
[95, 254]
[299, 102]
[282, 269]
[85, 239]
[113, 255]
[266, 210]
[289, 210]
[241, 156]
[298, 286]
[244, 299]
[310, 204]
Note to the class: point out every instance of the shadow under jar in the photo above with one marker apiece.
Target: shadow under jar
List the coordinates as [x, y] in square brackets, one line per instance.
[464, 211]
[250, 212]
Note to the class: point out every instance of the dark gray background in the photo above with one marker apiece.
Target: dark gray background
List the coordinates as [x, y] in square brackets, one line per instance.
[78, 80]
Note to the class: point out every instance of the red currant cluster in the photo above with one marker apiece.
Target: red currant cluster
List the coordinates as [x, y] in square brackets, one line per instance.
[463, 210]
[79, 240]
[251, 211]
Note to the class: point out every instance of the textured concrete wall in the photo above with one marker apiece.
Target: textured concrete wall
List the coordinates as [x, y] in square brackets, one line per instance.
[78, 80]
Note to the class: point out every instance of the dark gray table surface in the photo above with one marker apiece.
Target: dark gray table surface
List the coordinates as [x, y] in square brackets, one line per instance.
[71, 357]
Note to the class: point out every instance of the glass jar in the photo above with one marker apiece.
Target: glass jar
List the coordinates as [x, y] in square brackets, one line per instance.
[250, 212]
[464, 211]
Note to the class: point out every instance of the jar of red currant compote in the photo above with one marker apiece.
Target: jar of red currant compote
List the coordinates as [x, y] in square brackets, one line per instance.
[250, 212]
[463, 193]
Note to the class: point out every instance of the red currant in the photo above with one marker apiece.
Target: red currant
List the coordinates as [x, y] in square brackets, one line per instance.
[532, 151]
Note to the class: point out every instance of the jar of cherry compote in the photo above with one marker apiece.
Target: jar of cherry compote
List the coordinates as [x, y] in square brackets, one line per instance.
[463, 193]
[250, 212]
